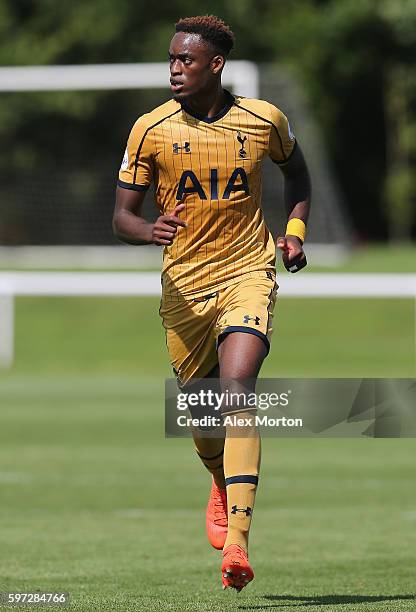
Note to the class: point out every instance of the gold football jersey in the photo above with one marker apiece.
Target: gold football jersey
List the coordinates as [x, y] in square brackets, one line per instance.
[213, 166]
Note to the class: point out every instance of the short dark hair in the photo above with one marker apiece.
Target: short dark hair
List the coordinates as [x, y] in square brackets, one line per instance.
[211, 28]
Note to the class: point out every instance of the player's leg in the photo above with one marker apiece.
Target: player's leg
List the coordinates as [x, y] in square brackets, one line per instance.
[243, 345]
[209, 445]
[190, 338]
[241, 356]
[211, 453]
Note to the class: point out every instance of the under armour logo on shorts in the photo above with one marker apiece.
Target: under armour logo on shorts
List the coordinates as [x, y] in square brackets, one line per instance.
[247, 318]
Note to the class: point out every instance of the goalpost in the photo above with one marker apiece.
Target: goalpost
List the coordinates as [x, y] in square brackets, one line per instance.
[76, 191]
[238, 74]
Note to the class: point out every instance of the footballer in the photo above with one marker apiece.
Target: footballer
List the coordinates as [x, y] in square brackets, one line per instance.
[203, 150]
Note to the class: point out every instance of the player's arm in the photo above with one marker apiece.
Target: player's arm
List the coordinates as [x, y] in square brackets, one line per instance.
[297, 201]
[285, 151]
[129, 226]
[135, 176]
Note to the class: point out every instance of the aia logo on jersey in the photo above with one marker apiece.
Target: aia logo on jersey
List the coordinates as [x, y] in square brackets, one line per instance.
[241, 139]
[189, 183]
[186, 148]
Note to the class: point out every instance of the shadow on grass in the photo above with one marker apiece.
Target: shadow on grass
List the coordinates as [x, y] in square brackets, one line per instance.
[283, 601]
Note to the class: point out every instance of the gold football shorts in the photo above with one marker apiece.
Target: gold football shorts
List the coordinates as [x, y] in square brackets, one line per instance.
[196, 327]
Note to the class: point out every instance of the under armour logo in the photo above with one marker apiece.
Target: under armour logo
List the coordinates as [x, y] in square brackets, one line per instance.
[247, 318]
[186, 147]
[247, 511]
[242, 152]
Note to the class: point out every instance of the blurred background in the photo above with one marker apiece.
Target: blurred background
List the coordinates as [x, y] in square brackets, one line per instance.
[342, 70]
[82, 451]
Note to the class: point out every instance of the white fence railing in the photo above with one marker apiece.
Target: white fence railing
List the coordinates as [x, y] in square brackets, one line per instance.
[114, 284]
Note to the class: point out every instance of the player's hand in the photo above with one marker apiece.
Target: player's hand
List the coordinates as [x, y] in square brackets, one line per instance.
[293, 257]
[166, 226]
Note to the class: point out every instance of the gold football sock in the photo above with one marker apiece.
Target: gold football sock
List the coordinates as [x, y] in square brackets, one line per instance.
[211, 451]
[241, 468]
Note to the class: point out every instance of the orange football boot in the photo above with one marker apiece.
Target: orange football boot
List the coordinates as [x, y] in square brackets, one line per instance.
[216, 520]
[236, 571]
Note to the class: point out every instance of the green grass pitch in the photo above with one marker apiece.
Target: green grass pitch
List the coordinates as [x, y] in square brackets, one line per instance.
[96, 502]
